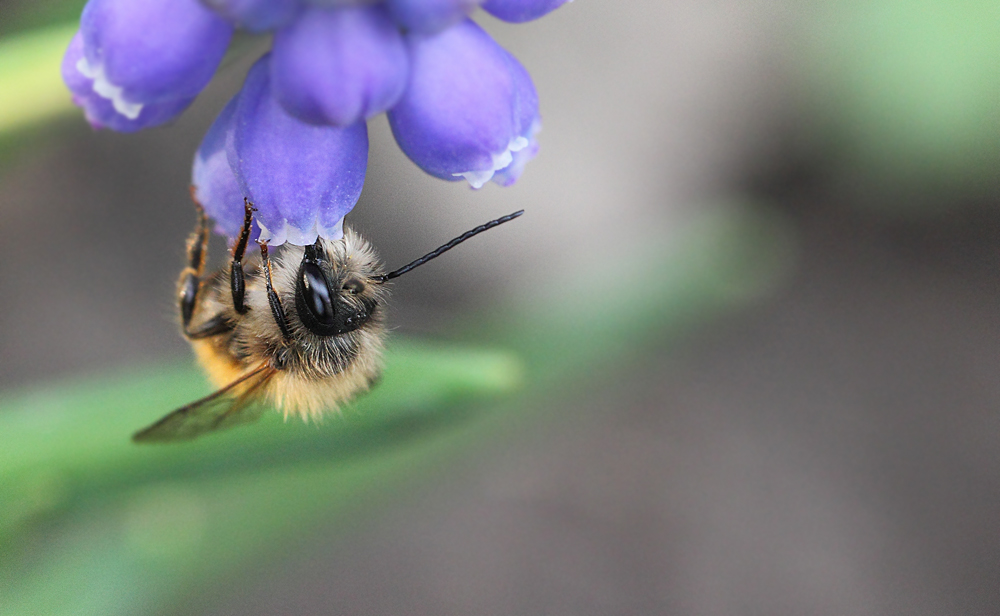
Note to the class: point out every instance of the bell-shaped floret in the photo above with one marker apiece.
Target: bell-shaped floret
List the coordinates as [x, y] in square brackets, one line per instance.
[518, 11]
[470, 106]
[150, 53]
[429, 16]
[256, 15]
[99, 110]
[339, 65]
[302, 178]
[215, 185]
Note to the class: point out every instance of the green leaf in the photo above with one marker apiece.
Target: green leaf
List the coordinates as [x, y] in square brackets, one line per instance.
[31, 86]
[905, 92]
[67, 445]
[124, 513]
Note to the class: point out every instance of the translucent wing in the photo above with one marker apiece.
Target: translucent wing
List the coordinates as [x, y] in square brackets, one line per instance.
[237, 403]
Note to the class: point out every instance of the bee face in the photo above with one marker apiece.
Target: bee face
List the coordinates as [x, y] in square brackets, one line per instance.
[332, 303]
[334, 296]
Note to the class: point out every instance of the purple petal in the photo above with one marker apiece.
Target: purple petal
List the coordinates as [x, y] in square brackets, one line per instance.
[339, 65]
[215, 185]
[429, 16]
[257, 15]
[518, 11]
[100, 111]
[301, 178]
[151, 51]
[469, 108]
[525, 102]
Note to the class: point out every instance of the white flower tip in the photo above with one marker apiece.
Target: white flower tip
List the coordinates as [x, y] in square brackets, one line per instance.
[270, 238]
[105, 89]
[84, 67]
[335, 232]
[299, 237]
[478, 179]
[517, 144]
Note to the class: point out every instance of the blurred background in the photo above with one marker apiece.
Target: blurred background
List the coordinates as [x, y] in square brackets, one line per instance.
[826, 442]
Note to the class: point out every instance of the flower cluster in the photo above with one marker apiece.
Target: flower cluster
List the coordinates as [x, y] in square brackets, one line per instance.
[294, 140]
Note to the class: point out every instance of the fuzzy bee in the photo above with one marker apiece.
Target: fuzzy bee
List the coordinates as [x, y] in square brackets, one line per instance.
[301, 334]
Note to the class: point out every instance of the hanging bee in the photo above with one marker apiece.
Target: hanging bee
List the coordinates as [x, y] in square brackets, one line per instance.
[301, 334]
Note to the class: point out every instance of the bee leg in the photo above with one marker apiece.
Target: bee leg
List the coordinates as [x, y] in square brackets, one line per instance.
[272, 298]
[190, 279]
[237, 281]
[218, 324]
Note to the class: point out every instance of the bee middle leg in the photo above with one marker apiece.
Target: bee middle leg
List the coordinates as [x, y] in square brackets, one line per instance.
[190, 279]
[189, 285]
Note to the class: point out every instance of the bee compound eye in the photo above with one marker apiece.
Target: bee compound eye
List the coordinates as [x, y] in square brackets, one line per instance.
[313, 297]
[325, 312]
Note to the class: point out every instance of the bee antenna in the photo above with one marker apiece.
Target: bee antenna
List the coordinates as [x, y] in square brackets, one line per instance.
[437, 252]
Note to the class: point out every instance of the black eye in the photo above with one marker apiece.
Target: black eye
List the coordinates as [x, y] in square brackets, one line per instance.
[328, 313]
[313, 297]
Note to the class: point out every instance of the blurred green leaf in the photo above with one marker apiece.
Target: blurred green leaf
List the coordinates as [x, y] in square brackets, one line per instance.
[126, 508]
[31, 86]
[24, 15]
[906, 91]
[70, 444]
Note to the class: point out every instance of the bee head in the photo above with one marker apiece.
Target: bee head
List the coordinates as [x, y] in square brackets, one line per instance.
[335, 293]
[338, 284]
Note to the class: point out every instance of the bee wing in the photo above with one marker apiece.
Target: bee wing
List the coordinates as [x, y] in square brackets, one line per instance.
[217, 411]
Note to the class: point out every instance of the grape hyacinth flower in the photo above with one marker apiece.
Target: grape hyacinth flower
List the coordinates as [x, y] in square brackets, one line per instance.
[294, 140]
[128, 68]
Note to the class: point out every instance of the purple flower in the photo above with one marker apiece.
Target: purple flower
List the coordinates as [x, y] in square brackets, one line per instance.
[339, 65]
[157, 53]
[428, 16]
[294, 140]
[302, 178]
[256, 15]
[518, 11]
[100, 111]
[468, 118]
[213, 180]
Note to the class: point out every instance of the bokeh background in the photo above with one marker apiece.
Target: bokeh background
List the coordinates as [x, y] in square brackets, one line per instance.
[824, 440]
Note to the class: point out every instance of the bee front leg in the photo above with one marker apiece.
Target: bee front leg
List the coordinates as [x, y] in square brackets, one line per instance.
[277, 311]
[237, 281]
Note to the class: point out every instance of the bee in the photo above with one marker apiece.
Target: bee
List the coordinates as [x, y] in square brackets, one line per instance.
[301, 333]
